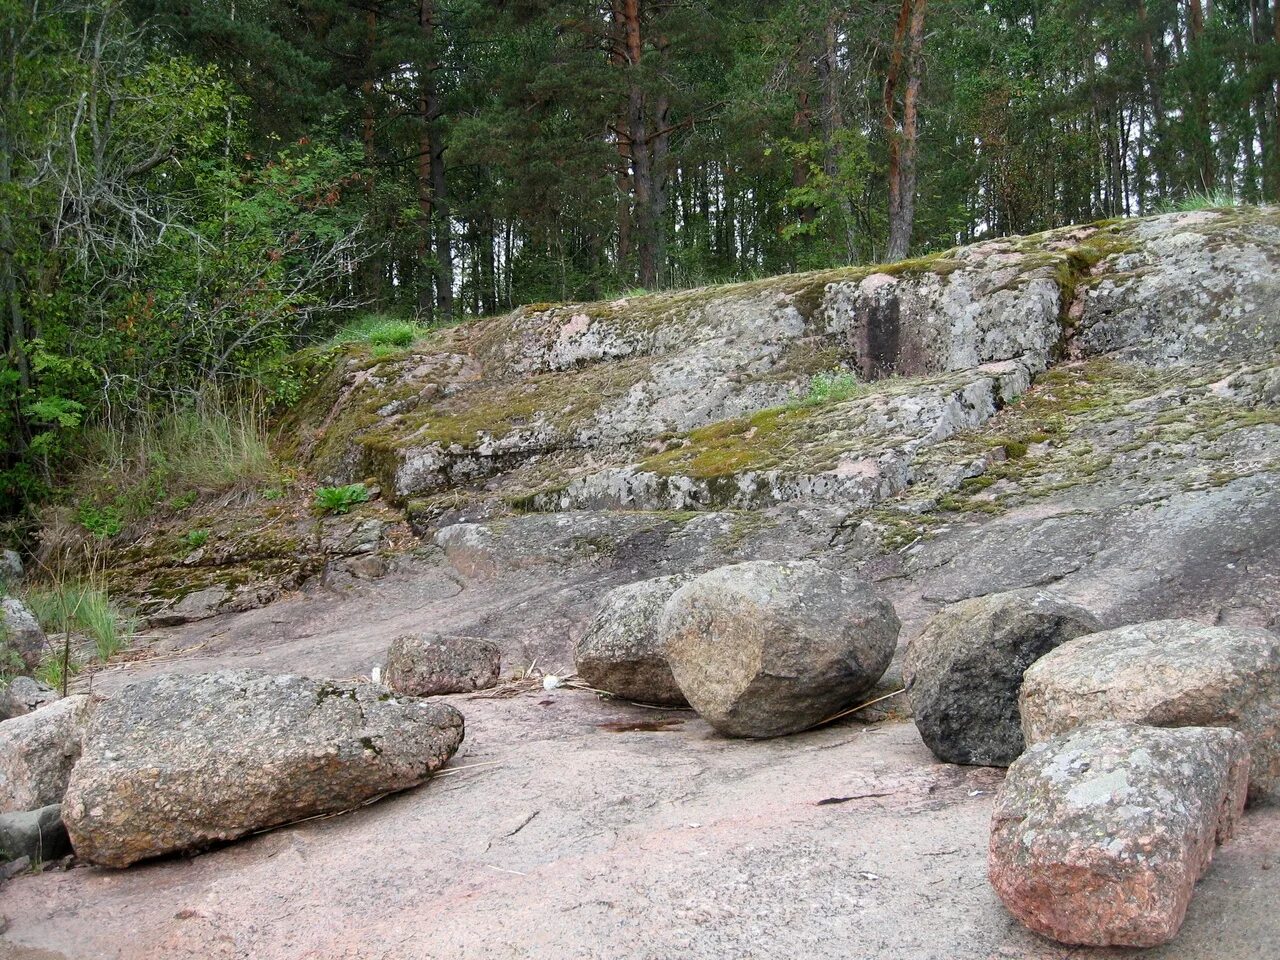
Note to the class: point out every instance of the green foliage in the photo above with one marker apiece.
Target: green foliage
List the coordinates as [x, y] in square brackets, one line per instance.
[195, 539]
[340, 500]
[100, 520]
[379, 330]
[831, 387]
[1204, 200]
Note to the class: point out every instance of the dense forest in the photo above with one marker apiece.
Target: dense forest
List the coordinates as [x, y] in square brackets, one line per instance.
[192, 191]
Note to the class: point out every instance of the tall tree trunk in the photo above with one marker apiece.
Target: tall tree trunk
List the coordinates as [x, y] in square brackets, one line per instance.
[646, 162]
[426, 198]
[908, 44]
[433, 197]
[373, 266]
[1154, 83]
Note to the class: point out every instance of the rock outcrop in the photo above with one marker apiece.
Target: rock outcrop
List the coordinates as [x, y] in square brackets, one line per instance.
[1168, 673]
[176, 762]
[428, 664]
[38, 751]
[10, 567]
[1098, 836]
[622, 649]
[964, 671]
[762, 649]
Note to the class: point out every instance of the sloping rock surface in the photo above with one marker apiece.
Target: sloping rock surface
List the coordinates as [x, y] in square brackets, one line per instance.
[175, 762]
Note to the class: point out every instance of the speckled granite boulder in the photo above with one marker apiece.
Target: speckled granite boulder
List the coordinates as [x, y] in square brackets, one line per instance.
[964, 670]
[1167, 673]
[176, 762]
[37, 752]
[1098, 836]
[763, 649]
[621, 652]
[423, 665]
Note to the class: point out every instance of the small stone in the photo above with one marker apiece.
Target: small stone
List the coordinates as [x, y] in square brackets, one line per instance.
[37, 752]
[1098, 836]
[23, 695]
[179, 761]
[20, 633]
[763, 649]
[621, 652]
[369, 566]
[36, 834]
[423, 665]
[964, 670]
[1166, 673]
[10, 567]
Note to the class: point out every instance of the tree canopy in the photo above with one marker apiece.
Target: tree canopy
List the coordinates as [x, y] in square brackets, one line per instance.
[189, 192]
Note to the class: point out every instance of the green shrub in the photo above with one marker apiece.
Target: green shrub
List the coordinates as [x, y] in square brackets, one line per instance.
[341, 499]
[831, 387]
[196, 539]
[101, 521]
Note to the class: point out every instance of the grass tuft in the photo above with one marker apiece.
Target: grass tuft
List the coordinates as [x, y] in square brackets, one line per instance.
[385, 334]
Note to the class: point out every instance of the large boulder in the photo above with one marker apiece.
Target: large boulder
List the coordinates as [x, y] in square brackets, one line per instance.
[37, 752]
[621, 652]
[38, 835]
[1098, 837]
[1167, 673]
[20, 634]
[964, 670]
[176, 762]
[762, 649]
[423, 665]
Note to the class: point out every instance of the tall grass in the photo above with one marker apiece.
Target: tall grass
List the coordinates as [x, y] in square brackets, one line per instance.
[380, 330]
[1200, 200]
[81, 607]
[213, 444]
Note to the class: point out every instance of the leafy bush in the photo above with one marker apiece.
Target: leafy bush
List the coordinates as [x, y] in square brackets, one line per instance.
[831, 387]
[101, 521]
[340, 500]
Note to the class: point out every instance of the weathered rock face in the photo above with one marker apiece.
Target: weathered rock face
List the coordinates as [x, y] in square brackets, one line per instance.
[38, 835]
[621, 652]
[175, 762]
[1168, 673]
[1098, 837]
[964, 671]
[423, 665]
[37, 752]
[762, 649]
[20, 633]
[24, 694]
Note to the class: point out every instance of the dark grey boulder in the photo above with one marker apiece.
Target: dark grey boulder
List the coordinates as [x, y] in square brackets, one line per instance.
[964, 670]
[38, 835]
[22, 641]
